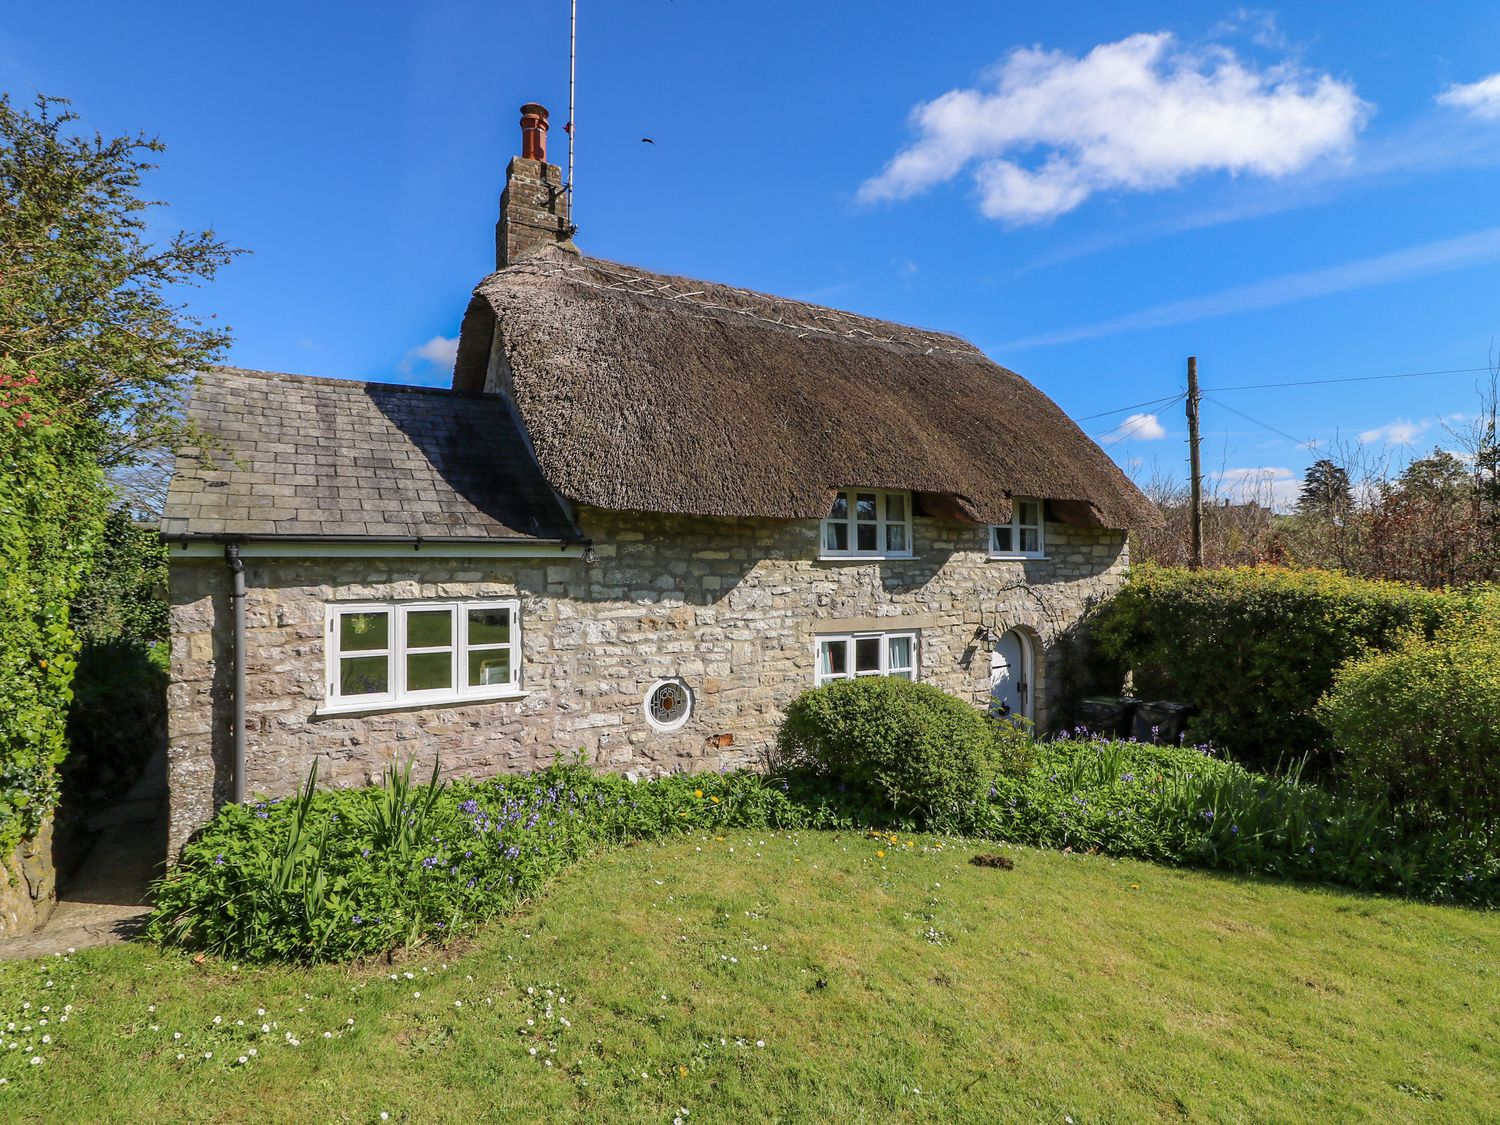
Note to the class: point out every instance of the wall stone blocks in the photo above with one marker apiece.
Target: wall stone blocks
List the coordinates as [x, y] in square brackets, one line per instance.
[731, 606]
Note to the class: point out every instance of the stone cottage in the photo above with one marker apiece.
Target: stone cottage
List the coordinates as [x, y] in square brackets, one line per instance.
[650, 511]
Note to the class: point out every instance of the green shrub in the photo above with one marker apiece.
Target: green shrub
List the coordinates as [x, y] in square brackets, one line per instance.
[1254, 648]
[1421, 725]
[908, 747]
[1184, 806]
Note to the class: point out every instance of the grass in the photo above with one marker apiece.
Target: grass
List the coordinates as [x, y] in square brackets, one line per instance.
[908, 986]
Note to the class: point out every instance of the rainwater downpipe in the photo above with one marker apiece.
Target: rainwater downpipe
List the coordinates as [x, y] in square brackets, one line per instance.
[237, 612]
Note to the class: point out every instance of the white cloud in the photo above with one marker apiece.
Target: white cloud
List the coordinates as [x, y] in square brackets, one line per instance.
[1136, 115]
[1482, 98]
[1403, 431]
[440, 351]
[1272, 485]
[1426, 260]
[1138, 427]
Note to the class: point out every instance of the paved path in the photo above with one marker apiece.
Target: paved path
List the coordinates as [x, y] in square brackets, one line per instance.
[106, 899]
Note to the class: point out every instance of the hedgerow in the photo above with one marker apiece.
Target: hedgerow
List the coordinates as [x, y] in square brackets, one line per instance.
[1253, 649]
[1421, 725]
[48, 526]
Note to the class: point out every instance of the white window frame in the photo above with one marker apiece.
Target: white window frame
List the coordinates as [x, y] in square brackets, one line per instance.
[914, 672]
[396, 694]
[882, 523]
[1015, 527]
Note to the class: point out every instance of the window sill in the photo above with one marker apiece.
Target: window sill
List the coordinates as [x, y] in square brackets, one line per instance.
[415, 704]
[866, 558]
[1013, 556]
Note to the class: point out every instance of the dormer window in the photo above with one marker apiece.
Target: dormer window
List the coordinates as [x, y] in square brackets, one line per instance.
[868, 524]
[1022, 537]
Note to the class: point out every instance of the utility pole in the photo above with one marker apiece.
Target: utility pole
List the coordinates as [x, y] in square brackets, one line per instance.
[1195, 513]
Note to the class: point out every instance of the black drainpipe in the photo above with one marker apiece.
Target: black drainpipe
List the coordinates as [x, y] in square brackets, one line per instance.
[237, 610]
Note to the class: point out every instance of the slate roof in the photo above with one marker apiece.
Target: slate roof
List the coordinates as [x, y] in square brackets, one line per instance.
[302, 456]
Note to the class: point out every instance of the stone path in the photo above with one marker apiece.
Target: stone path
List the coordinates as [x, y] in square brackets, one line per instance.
[106, 899]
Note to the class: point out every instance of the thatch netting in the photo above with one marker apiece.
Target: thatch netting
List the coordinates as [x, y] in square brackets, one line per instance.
[653, 393]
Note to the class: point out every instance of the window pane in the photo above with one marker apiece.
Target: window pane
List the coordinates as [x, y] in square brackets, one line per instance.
[489, 626]
[895, 507]
[833, 658]
[900, 653]
[1027, 513]
[840, 510]
[836, 536]
[489, 669]
[429, 628]
[867, 654]
[895, 537]
[1030, 539]
[866, 536]
[1002, 540]
[864, 506]
[364, 631]
[364, 675]
[429, 671]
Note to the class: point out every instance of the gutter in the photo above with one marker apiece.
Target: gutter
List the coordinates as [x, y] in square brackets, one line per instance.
[186, 545]
[237, 612]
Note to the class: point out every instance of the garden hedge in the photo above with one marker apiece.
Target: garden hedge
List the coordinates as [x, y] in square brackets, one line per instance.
[1253, 649]
[1421, 725]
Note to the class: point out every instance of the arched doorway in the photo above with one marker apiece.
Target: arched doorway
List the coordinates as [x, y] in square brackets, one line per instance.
[1012, 675]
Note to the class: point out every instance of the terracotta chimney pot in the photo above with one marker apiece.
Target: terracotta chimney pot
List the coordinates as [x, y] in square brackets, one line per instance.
[534, 132]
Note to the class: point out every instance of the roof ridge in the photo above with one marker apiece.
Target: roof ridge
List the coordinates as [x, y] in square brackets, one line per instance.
[629, 279]
[327, 381]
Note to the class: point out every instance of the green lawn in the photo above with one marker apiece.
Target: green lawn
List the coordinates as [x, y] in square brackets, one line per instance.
[806, 977]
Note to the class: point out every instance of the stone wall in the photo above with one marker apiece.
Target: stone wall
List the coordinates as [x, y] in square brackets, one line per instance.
[730, 606]
[28, 884]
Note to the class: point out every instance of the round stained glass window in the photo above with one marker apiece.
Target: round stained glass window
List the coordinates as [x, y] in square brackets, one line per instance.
[668, 704]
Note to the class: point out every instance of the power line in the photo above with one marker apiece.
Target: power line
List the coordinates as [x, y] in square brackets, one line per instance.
[1263, 425]
[1137, 424]
[1352, 379]
[1163, 402]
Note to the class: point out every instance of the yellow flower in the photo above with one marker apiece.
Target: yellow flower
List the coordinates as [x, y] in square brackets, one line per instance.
[1135, 886]
[715, 800]
[682, 1071]
[697, 792]
[880, 854]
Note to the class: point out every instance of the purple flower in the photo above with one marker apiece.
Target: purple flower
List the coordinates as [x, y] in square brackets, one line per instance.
[1208, 814]
[219, 860]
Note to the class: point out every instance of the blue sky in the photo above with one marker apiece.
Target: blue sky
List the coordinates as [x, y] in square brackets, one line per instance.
[1090, 192]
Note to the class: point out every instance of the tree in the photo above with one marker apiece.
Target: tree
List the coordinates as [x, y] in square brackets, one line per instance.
[1325, 490]
[96, 359]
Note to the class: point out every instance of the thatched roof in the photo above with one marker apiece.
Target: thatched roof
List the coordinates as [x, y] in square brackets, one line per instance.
[647, 392]
[304, 457]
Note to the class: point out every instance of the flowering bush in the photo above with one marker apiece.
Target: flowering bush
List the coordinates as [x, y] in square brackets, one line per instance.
[333, 874]
[1188, 806]
[906, 747]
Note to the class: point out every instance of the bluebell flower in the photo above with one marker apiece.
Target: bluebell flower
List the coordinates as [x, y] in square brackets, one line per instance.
[219, 860]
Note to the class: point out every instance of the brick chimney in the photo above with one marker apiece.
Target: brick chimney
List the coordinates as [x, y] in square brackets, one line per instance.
[534, 207]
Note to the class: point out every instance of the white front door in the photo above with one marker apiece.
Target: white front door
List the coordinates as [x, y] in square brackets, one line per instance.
[1010, 675]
